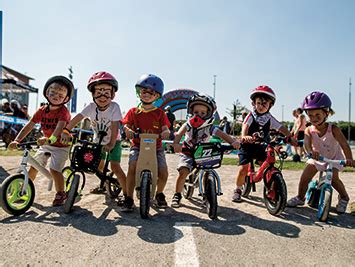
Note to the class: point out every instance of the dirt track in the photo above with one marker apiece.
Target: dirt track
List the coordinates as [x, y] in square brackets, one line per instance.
[98, 233]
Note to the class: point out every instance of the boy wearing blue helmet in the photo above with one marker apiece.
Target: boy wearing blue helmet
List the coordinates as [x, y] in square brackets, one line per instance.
[148, 119]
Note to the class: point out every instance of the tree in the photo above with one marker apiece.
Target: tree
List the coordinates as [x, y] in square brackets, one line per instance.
[236, 113]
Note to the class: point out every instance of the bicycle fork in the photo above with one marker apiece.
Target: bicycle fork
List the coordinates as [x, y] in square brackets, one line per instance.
[201, 174]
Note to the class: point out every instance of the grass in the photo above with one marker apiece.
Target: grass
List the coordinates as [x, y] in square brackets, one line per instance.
[288, 165]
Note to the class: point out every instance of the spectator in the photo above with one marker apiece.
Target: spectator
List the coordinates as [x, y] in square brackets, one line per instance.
[171, 118]
[225, 125]
[16, 109]
[25, 111]
[5, 106]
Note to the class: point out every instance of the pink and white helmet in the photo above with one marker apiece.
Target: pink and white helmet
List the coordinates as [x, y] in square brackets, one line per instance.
[263, 90]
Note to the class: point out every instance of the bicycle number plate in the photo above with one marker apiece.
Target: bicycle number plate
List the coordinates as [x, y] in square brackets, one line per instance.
[208, 155]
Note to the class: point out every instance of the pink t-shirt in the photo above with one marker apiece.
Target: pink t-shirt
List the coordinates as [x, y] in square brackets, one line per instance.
[328, 147]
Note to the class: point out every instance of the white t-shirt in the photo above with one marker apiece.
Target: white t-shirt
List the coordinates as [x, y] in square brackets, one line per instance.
[101, 120]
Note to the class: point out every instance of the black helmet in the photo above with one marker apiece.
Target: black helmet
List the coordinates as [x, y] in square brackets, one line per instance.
[64, 81]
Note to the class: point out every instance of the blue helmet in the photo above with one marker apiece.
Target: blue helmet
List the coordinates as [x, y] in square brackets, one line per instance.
[150, 81]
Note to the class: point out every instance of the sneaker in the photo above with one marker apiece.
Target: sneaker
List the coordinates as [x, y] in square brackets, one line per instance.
[59, 199]
[128, 205]
[161, 202]
[294, 202]
[175, 203]
[237, 196]
[341, 206]
[120, 200]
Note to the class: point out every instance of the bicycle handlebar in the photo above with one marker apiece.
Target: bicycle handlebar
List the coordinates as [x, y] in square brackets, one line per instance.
[322, 158]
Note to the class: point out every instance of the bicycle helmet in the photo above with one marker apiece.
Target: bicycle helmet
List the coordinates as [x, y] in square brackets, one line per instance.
[4, 101]
[201, 99]
[102, 77]
[316, 100]
[150, 81]
[64, 81]
[263, 90]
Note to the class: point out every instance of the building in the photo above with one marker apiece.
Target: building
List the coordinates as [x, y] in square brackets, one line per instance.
[15, 85]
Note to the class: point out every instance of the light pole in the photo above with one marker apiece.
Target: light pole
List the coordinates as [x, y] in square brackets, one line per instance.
[282, 113]
[349, 126]
[214, 87]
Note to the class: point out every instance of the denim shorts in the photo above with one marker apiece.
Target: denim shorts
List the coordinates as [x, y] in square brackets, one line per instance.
[134, 153]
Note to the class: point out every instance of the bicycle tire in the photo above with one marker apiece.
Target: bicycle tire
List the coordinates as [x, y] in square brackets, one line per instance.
[211, 195]
[188, 186]
[275, 194]
[113, 189]
[246, 187]
[72, 193]
[144, 199]
[312, 194]
[11, 199]
[325, 200]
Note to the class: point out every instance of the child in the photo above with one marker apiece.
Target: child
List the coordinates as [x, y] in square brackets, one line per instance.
[260, 120]
[199, 128]
[105, 116]
[322, 138]
[150, 119]
[53, 117]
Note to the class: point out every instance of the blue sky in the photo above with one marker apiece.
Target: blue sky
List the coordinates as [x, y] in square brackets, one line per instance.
[293, 46]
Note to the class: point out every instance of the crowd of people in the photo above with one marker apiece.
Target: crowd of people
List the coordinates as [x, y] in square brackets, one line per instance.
[105, 115]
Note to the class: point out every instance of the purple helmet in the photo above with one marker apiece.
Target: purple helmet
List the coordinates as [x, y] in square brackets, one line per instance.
[316, 100]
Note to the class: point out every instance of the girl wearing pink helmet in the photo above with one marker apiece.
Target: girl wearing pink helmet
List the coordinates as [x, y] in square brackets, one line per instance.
[322, 138]
[105, 115]
[259, 120]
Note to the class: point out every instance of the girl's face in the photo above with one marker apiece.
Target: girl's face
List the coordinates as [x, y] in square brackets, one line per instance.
[317, 116]
[148, 95]
[103, 94]
[262, 105]
[200, 110]
[57, 94]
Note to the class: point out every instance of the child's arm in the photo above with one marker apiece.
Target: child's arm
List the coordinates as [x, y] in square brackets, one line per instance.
[339, 136]
[229, 139]
[178, 136]
[308, 144]
[165, 134]
[245, 137]
[114, 133]
[22, 134]
[65, 136]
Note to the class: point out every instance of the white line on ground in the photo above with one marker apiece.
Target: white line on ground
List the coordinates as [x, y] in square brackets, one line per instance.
[185, 248]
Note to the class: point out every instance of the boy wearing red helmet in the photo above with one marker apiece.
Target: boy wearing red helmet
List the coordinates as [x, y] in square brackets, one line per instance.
[105, 115]
[259, 120]
[53, 117]
[147, 119]
[199, 128]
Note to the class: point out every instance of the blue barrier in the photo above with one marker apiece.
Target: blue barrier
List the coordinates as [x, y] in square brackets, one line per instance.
[12, 120]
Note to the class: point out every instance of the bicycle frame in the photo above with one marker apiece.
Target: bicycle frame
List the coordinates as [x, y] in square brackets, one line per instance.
[27, 158]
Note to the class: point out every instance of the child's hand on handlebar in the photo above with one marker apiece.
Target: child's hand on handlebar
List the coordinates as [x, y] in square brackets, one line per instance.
[315, 154]
[129, 133]
[235, 144]
[248, 139]
[65, 138]
[165, 134]
[42, 141]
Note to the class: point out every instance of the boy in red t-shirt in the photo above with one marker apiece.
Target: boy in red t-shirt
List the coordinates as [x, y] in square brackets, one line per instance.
[53, 117]
[149, 119]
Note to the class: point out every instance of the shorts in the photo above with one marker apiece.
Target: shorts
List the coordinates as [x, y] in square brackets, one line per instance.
[185, 162]
[251, 151]
[134, 153]
[114, 154]
[58, 156]
[300, 137]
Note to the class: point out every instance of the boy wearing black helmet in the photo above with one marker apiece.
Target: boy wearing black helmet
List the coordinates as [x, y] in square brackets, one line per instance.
[105, 116]
[199, 128]
[53, 117]
[148, 119]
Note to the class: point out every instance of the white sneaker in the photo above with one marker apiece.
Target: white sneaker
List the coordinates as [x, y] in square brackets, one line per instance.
[294, 202]
[341, 206]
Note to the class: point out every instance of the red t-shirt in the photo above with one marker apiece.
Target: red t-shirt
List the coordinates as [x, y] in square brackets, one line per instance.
[147, 121]
[49, 120]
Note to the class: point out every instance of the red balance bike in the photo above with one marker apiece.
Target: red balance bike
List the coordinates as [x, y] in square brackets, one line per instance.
[275, 191]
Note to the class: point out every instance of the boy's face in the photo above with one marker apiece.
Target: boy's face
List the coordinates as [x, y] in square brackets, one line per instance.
[57, 94]
[103, 94]
[200, 110]
[261, 104]
[148, 95]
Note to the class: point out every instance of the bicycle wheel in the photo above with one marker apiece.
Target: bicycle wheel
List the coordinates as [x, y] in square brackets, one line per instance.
[275, 194]
[246, 187]
[325, 200]
[11, 198]
[113, 189]
[67, 171]
[211, 195]
[144, 199]
[72, 193]
[189, 186]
